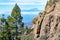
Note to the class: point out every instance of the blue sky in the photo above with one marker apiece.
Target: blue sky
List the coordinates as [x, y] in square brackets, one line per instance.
[28, 7]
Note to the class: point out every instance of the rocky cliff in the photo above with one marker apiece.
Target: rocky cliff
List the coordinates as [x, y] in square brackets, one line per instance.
[47, 25]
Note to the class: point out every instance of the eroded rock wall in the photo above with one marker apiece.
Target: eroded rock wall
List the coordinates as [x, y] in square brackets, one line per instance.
[47, 25]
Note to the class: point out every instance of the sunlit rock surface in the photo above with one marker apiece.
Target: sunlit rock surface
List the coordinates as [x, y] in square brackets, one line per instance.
[47, 25]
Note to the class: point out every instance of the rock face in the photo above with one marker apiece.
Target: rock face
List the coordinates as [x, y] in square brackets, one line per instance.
[47, 25]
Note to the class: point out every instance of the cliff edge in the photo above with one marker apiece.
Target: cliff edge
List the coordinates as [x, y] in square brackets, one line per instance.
[47, 25]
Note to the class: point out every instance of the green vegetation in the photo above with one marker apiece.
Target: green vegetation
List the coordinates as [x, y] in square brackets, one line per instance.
[40, 13]
[50, 3]
[43, 37]
[13, 28]
[27, 37]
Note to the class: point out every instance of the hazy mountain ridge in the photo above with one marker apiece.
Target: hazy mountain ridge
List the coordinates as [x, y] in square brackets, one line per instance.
[28, 24]
[32, 10]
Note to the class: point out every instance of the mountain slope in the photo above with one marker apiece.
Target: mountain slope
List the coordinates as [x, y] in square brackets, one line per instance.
[47, 25]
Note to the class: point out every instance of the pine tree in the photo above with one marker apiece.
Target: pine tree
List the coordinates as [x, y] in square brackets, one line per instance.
[7, 31]
[10, 22]
[16, 14]
[3, 20]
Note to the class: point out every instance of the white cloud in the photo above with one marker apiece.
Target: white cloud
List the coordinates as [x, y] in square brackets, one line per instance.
[5, 12]
[28, 1]
[12, 3]
[25, 2]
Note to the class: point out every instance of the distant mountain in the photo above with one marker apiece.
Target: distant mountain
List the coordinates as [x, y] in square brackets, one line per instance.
[32, 10]
[28, 24]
